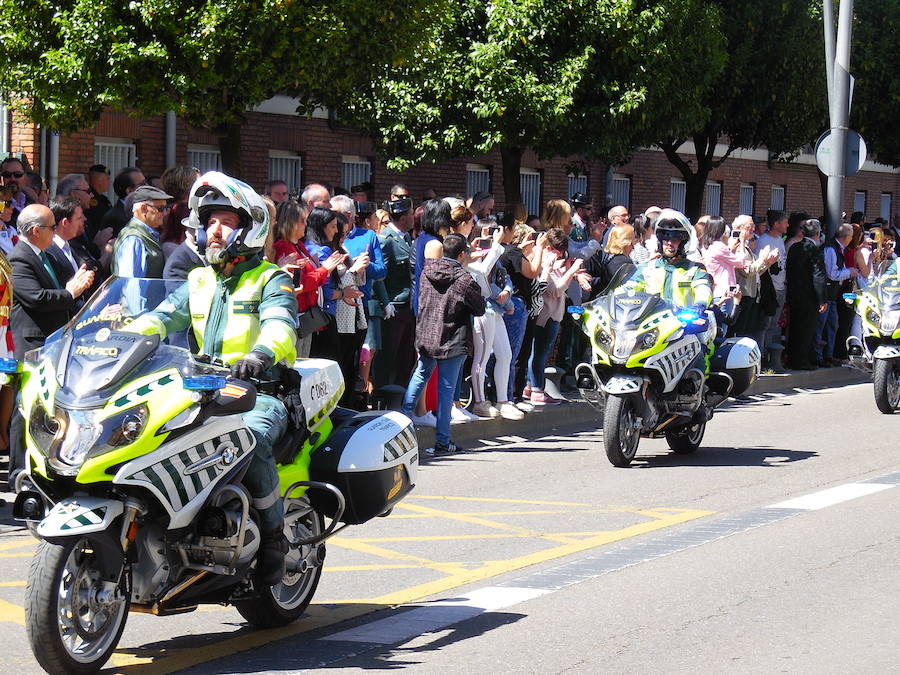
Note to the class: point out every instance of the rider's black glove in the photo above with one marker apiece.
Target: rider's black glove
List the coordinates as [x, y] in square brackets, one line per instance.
[252, 366]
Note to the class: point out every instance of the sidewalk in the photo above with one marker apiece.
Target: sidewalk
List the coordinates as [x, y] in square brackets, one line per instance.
[574, 413]
[577, 412]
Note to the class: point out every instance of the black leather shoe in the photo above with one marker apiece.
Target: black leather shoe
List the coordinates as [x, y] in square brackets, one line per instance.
[270, 567]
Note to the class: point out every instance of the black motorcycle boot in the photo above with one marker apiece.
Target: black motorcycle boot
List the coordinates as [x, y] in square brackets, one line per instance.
[270, 567]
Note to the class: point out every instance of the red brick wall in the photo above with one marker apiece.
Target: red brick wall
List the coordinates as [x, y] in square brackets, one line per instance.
[321, 147]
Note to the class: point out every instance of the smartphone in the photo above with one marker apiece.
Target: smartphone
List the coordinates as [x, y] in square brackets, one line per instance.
[531, 236]
[733, 288]
[483, 244]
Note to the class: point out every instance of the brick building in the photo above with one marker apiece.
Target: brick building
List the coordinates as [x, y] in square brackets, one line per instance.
[276, 143]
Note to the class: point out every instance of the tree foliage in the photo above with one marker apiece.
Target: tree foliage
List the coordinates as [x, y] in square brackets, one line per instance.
[876, 96]
[64, 61]
[590, 77]
[771, 91]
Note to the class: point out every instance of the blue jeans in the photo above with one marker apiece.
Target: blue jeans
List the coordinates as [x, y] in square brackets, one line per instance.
[544, 337]
[515, 329]
[268, 422]
[448, 376]
[826, 330]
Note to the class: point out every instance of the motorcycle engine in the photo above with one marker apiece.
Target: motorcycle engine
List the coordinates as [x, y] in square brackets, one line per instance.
[216, 553]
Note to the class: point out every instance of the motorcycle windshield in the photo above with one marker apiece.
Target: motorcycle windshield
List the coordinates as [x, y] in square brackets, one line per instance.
[889, 292]
[96, 352]
[625, 300]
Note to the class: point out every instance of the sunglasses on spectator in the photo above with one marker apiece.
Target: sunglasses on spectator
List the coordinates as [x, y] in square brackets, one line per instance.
[162, 209]
[12, 174]
[48, 227]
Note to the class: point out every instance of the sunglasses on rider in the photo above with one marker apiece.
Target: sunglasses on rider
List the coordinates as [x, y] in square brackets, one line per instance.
[12, 174]
[672, 235]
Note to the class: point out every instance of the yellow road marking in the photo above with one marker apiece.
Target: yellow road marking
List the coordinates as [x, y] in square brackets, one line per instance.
[10, 584]
[17, 555]
[475, 520]
[321, 615]
[548, 512]
[10, 613]
[12, 545]
[491, 500]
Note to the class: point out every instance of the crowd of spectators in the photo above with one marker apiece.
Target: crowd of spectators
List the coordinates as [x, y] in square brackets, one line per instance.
[395, 290]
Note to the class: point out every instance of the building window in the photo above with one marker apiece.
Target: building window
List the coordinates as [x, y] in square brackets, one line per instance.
[577, 184]
[355, 170]
[748, 196]
[621, 191]
[204, 158]
[285, 166]
[677, 194]
[713, 199]
[885, 208]
[115, 154]
[530, 185]
[859, 201]
[778, 197]
[478, 179]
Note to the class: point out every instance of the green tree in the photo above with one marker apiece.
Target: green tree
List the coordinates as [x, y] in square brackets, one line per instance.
[588, 77]
[64, 61]
[876, 95]
[771, 91]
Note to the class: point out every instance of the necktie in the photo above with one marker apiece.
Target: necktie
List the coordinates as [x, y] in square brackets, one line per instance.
[47, 266]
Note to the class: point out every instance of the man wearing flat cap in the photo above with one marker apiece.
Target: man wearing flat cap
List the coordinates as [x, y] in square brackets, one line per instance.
[137, 251]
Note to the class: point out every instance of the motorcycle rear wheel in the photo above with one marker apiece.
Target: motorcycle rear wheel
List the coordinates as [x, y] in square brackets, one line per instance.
[887, 385]
[72, 620]
[621, 434]
[686, 440]
[286, 601]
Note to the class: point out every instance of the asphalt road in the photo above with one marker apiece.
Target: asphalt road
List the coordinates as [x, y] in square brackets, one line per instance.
[538, 556]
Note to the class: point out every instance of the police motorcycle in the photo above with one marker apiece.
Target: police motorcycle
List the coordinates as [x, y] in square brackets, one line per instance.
[136, 451]
[878, 352]
[649, 373]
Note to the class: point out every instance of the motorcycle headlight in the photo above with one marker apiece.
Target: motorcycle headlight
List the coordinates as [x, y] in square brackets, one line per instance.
[873, 317]
[82, 434]
[648, 339]
[889, 321]
[604, 339]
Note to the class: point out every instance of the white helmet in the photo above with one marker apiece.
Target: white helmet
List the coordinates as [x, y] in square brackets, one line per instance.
[214, 191]
[673, 223]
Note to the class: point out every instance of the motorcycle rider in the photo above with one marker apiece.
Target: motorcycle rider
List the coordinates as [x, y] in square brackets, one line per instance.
[673, 276]
[243, 311]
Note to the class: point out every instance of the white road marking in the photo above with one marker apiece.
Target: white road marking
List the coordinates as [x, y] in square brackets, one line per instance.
[434, 616]
[831, 496]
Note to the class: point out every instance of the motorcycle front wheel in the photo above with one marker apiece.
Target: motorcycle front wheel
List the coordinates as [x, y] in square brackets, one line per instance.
[74, 616]
[621, 433]
[687, 439]
[286, 601]
[886, 374]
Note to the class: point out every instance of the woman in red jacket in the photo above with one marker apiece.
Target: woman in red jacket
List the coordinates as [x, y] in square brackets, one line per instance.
[288, 251]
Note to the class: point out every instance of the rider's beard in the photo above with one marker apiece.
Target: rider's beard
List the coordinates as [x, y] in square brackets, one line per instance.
[215, 255]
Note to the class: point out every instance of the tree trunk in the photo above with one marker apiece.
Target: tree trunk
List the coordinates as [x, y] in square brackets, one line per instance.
[512, 165]
[693, 199]
[230, 147]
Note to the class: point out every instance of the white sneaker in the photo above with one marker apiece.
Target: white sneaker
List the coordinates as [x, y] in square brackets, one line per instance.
[525, 406]
[508, 411]
[426, 420]
[472, 417]
[485, 409]
[459, 415]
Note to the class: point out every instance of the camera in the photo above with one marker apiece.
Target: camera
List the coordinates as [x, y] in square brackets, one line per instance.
[366, 208]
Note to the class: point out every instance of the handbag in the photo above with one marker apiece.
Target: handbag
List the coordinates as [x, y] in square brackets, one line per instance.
[315, 318]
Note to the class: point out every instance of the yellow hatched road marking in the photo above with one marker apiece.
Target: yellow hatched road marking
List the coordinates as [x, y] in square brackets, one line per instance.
[17, 555]
[325, 614]
[493, 500]
[10, 613]
[11, 584]
[13, 545]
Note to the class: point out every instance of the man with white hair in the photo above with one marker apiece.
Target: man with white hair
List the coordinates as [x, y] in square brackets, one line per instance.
[75, 184]
[137, 251]
[315, 194]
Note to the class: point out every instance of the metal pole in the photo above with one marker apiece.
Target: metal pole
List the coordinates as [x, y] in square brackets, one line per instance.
[53, 161]
[171, 128]
[828, 24]
[841, 118]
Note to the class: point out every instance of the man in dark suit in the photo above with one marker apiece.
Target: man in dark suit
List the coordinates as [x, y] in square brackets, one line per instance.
[805, 269]
[394, 365]
[98, 179]
[69, 249]
[42, 302]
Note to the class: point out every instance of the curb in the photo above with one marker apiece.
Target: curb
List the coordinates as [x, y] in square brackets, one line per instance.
[577, 412]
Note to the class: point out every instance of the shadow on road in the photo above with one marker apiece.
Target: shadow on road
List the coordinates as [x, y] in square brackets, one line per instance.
[709, 456]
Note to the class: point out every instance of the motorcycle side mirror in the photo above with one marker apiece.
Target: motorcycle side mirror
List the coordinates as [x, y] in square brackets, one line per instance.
[849, 298]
